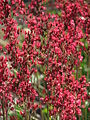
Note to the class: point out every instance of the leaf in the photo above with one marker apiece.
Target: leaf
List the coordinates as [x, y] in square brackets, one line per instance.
[44, 110]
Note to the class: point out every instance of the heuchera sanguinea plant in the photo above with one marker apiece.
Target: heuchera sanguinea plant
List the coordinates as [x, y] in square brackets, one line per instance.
[53, 42]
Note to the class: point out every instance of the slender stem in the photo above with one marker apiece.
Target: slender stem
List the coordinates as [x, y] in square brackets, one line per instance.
[47, 112]
[15, 112]
[6, 113]
[3, 109]
[88, 64]
[85, 113]
[59, 117]
[29, 116]
[38, 84]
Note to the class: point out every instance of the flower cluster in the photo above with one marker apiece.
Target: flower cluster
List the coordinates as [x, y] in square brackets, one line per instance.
[52, 42]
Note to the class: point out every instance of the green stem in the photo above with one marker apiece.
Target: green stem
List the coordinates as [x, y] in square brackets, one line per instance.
[29, 116]
[86, 113]
[3, 110]
[6, 113]
[47, 112]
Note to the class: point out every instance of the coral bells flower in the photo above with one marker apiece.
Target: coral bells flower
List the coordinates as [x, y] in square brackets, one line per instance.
[51, 48]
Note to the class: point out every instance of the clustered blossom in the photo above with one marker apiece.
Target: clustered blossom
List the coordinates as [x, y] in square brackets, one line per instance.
[52, 42]
[6, 96]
